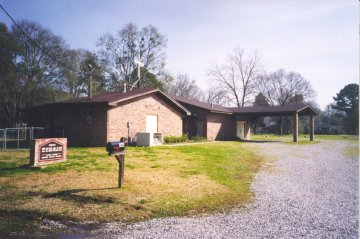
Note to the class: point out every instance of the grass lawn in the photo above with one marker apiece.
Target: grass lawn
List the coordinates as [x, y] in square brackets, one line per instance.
[159, 181]
[303, 138]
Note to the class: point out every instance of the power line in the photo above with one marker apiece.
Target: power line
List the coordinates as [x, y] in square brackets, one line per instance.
[36, 44]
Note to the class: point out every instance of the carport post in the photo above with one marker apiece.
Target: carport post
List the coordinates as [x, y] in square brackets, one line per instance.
[311, 127]
[296, 126]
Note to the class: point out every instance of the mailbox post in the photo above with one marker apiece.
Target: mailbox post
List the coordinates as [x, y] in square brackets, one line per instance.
[117, 149]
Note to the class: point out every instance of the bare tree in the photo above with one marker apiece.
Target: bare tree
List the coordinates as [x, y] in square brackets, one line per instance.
[282, 88]
[216, 96]
[119, 51]
[75, 83]
[166, 79]
[238, 76]
[183, 86]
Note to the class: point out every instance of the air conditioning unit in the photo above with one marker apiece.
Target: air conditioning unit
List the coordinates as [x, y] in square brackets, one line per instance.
[149, 139]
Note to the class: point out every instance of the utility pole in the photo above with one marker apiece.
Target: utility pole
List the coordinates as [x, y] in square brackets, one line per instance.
[90, 81]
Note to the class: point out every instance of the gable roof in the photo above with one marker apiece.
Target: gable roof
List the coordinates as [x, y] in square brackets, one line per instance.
[283, 110]
[301, 109]
[206, 106]
[113, 98]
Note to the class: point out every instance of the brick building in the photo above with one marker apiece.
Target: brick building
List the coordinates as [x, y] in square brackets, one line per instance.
[216, 122]
[111, 116]
[212, 121]
[106, 117]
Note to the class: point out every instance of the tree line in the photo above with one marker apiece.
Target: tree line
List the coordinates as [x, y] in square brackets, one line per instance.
[37, 67]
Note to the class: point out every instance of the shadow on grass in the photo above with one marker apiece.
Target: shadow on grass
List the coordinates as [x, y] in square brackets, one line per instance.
[21, 169]
[72, 195]
[20, 223]
[24, 166]
[14, 222]
[32, 215]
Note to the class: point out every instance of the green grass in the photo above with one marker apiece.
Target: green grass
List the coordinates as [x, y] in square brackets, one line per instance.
[159, 181]
[338, 137]
[352, 151]
[303, 138]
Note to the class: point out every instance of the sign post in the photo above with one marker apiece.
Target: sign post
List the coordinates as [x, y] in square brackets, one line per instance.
[117, 149]
[120, 157]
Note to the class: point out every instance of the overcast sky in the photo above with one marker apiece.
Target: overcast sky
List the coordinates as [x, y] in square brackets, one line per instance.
[319, 39]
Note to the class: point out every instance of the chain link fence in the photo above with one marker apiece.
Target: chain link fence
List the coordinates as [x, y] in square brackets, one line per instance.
[2, 141]
[19, 138]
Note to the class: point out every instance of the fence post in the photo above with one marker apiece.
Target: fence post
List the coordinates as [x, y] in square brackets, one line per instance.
[18, 136]
[5, 132]
[2, 139]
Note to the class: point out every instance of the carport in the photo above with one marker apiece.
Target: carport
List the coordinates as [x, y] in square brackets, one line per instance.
[286, 110]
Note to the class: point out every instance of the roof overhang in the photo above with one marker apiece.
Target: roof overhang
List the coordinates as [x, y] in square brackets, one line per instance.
[221, 112]
[307, 110]
[67, 104]
[276, 111]
[116, 102]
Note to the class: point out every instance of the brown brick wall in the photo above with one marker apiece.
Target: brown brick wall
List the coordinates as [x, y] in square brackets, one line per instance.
[135, 111]
[70, 121]
[191, 121]
[220, 127]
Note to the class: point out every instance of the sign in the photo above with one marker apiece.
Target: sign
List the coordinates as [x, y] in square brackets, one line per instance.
[48, 151]
[51, 150]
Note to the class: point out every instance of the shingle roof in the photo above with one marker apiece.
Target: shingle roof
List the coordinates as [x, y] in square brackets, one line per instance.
[203, 105]
[274, 110]
[302, 109]
[113, 98]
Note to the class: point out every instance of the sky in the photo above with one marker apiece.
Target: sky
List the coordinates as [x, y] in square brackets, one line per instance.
[317, 38]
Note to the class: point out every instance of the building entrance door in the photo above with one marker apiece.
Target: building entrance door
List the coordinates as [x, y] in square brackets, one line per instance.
[151, 123]
[240, 129]
[200, 128]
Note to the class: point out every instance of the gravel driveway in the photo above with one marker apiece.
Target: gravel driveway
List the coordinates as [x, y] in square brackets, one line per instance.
[309, 191]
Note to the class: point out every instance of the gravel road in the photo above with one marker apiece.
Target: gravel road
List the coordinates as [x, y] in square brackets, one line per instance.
[309, 191]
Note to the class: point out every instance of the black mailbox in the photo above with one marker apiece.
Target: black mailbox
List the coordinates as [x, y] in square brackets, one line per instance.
[115, 147]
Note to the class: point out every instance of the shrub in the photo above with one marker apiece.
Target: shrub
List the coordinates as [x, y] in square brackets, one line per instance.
[198, 138]
[184, 138]
[169, 139]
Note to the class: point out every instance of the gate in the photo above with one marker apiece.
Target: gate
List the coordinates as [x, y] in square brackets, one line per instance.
[19, 138]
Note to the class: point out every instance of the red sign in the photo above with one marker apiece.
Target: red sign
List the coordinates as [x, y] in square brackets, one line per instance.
[48, 151]
[51, 151]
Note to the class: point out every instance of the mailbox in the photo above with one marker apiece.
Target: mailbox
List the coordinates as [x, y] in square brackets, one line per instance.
[115, 147]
